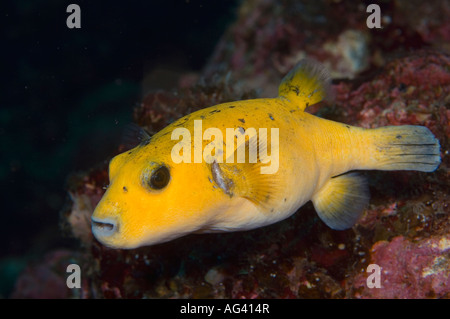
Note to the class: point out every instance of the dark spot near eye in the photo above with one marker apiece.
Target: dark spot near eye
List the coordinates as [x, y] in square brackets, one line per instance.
[399, 137]
[271, 117]
[232, 106]
[241, 120]
[125, 189]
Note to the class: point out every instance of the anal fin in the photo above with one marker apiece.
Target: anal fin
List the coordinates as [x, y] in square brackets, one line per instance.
[341, 200]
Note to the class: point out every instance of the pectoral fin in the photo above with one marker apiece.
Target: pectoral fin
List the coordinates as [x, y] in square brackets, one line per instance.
[245, 179]
[341, 200]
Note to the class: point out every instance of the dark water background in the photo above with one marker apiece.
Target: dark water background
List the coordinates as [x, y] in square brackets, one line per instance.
[66, 95]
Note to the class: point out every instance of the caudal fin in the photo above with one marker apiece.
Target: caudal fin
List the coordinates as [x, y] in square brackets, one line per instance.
[407, 147]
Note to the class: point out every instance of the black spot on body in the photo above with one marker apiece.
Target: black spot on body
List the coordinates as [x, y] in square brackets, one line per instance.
[271, 117]
[295, 89]
[129, 153]
[347, 126]
[180, 122]
[232, 106]
[125, 189]
[399, 137]
[214, 111]
[241, 120]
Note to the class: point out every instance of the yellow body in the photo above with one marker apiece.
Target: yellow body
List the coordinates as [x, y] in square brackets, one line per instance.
[312, 151]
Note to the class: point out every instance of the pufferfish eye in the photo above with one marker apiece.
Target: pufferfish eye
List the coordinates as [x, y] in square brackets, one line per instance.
[160, 178]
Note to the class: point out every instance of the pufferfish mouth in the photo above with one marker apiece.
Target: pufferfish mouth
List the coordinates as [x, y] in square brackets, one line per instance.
[104, 227]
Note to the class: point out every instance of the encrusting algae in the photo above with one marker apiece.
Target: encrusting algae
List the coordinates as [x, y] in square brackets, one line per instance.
[182, 181]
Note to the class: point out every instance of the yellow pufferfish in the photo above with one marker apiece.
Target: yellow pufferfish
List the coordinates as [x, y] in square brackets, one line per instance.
[154, 198]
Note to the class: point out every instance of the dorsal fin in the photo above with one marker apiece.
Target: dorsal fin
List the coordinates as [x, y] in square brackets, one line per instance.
[134, 135]
[306, 84]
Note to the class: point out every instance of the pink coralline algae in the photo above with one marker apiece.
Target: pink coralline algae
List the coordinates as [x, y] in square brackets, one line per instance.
[269, 37]
[412, 90]
[409, 269]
